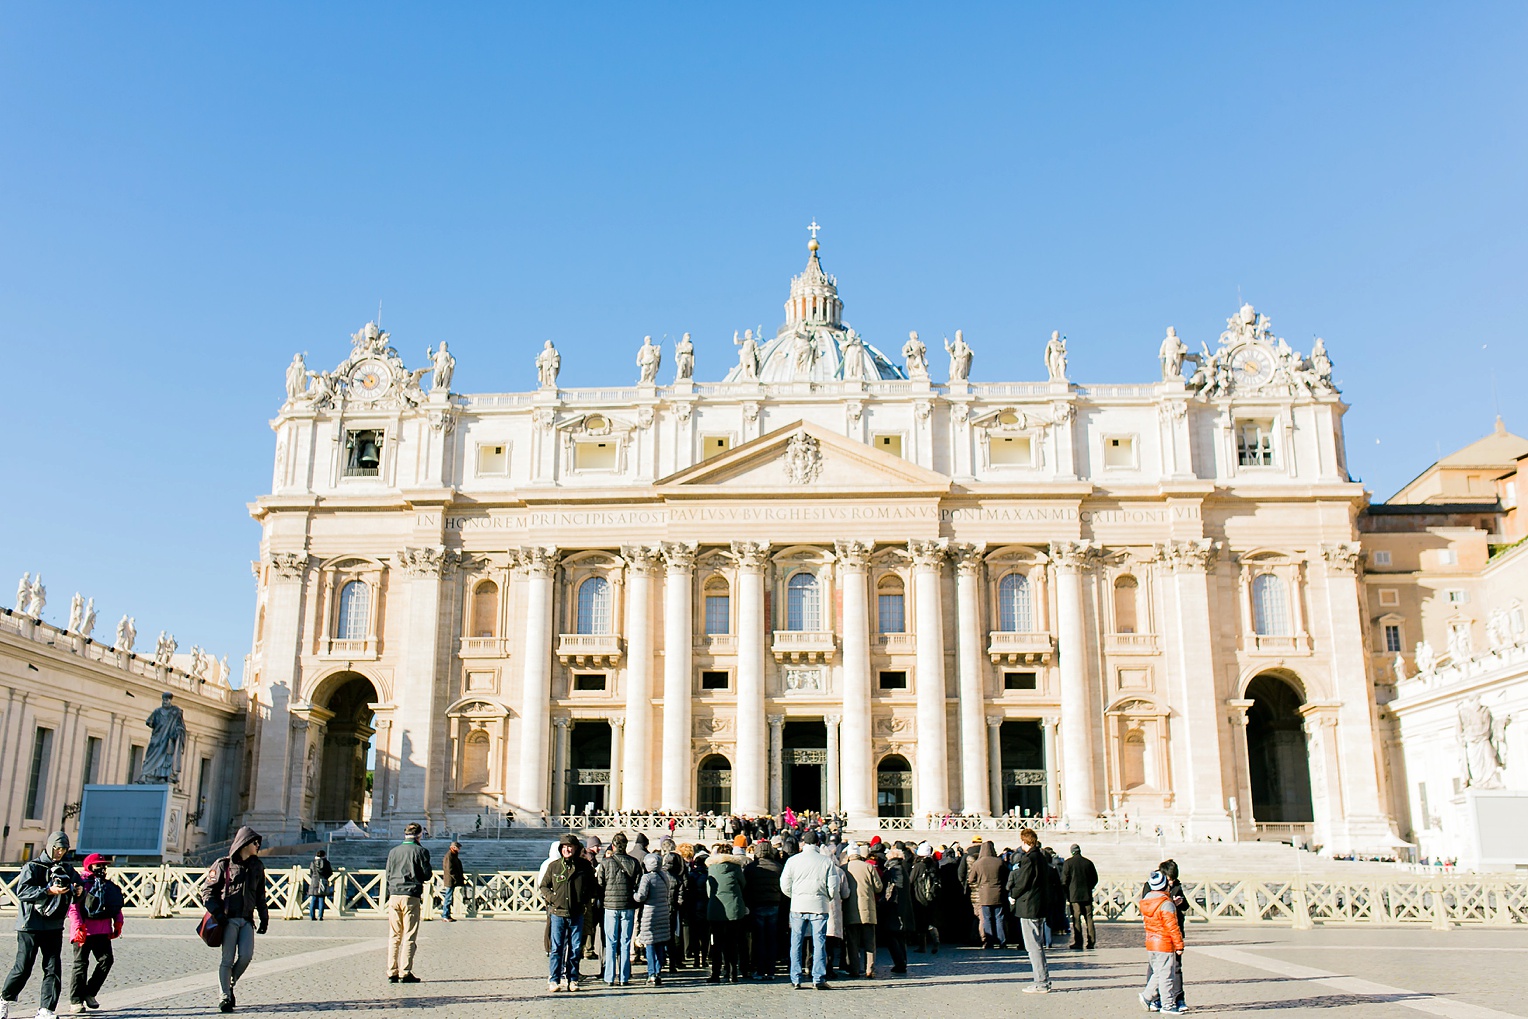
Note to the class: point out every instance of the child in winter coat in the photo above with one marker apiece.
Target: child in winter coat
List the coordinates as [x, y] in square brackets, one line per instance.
[1164, 940]
[94, 921]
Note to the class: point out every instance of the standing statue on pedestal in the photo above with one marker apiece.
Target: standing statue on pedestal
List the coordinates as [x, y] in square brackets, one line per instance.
[684, 359]
[87, 619]
[1172, 353]
[960, 358]
[161, 760]
[1055, 357]
[76, 612]
[917, 356]
[548, 364]
[1425, 657]
[747, 355]
[854, 358]
[164, 649]
[1400, 668]
[1321, 363]
[1483, 742]
[443, 365]
[649, 358]
[296, 379]
[127, 633]
[24, 593]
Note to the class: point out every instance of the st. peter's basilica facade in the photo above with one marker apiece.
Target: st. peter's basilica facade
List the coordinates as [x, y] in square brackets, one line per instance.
[827, 581]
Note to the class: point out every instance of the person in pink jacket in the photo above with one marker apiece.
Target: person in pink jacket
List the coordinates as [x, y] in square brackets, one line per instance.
[94, 921]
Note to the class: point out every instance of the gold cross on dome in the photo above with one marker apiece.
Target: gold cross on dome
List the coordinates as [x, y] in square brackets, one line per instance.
[814, 228]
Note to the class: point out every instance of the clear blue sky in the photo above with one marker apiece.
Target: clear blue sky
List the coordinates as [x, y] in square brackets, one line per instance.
[189, 194]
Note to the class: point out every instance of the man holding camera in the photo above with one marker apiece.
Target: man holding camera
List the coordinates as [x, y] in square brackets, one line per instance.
[45, 889]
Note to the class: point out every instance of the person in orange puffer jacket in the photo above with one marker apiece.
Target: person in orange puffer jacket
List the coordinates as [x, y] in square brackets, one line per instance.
[94, 921]
[1164, 940]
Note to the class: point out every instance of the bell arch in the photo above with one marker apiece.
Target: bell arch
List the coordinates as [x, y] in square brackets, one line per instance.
[1278, 758]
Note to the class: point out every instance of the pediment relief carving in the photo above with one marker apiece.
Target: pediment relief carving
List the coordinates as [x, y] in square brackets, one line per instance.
[806, 457]
[596, 426]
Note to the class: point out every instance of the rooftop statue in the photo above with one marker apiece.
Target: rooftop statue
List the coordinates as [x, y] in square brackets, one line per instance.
[127, 633]
[548, 364]
[917, 356]
[296, 378]
[684, 359]
[1172, 353]
[87, 619]
[747, 355]
[854, 358]
[649, 357]
[443, 365]
[960, 358]
[1055, 357]
[1482, 741]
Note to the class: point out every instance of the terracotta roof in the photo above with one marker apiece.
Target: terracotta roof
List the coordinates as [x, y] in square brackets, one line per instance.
[1499, 449]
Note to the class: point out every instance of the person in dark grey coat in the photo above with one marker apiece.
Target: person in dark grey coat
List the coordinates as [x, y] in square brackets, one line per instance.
[45, 888]
[1027, 887]
[408, 870]
[1080, 878]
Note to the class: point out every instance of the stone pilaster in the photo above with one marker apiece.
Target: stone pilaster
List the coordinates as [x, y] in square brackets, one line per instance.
[641, 563]
[976, 795]
[279, 678]
[540, 568]
[995, 762]
[422, 767]
[678, 626]
[832, 802]
[1079, 792]
[776, 763]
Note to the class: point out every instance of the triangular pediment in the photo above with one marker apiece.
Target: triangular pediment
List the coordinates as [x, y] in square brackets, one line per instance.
[808, 459]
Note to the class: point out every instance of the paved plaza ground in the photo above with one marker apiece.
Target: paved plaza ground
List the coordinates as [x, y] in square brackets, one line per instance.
[496, 968]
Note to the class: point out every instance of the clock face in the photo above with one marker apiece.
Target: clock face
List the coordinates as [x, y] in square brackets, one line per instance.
[1253, 366]
[369, 380]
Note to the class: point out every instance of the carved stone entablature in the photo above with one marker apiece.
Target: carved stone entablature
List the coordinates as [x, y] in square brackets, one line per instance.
[853, 555]
[426, 562]
[543, 417]
[854, 409]
[702, 748]
[1075, 555]
[803, 459]
[1062, 412]
[968, 558]
[683, 410]
[1196, 555]
[641, 558]
[1342, 556]
[443, 419]
[928, 553]
[679, 556]
[289, 565]
[1172, 410]
[895, 727]
[751, 556]
[537, 560]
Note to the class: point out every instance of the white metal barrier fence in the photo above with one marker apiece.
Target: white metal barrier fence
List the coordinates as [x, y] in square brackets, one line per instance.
[1438, 900]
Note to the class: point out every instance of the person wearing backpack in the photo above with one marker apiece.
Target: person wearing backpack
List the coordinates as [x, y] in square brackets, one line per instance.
[925, 890]
[617, 878]
[95, 920]
[319, 872]
[44, 890]
[234, 893]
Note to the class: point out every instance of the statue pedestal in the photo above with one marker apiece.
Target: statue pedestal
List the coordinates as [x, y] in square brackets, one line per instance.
[175, 826]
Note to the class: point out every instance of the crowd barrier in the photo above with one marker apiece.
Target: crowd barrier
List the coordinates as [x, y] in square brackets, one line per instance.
[1441, 901]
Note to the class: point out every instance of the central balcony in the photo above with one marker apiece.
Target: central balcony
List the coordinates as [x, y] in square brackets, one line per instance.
[483, 647]
[586, 649]
[804, 645]
[1015, 646]
[1130, 643]
[356, 650]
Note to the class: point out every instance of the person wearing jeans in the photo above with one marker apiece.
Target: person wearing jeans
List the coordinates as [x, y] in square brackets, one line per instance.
[618, 926]
[234, 892]
[45, 889]
[566, 886]
[1027, 888]
[810, 880]
[618, 876]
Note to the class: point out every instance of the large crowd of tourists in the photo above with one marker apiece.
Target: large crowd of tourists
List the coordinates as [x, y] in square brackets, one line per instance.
[801, 904]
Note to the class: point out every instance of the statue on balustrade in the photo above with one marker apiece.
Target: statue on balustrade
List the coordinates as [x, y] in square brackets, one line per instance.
[1483, 742]
[548, 364]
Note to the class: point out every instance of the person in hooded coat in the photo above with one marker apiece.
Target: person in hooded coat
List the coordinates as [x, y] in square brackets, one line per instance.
[655, 927]
[46, 887]
[984, 879]
[896, 909]
[725, 909]
[234, 893]
[697, 908]
[860, 916]
[923, 890]
[674, 868]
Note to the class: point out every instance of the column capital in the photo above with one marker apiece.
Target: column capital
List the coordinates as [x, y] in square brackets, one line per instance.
[434, 561]
[537, 560]
[928, 553]
[617, 721]
[993, 721]
[1196, 556]
[832, 720]
[562, 721]
[751, 556]
[679, 556]
[1074, 556]
[853, 555]
[641, 558]
[290, 565]
[776, 721]
[1342, 556]
[1052, 720]
[968, 557]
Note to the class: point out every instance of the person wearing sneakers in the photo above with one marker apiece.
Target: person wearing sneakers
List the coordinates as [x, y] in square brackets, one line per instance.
[95, 920]
[45, 888]
[234, 893]
[1164, 940]
[408, 868]
[566, 886]
[1027, 884]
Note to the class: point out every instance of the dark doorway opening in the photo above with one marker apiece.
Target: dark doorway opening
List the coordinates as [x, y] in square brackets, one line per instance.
[894, 787]
[1022, 747]
[804, 764]
[347, 740]
[714, 785]
[588, 765]
[1278, 762]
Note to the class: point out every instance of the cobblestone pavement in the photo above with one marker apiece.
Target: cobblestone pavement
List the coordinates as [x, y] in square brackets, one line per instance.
[497, 968]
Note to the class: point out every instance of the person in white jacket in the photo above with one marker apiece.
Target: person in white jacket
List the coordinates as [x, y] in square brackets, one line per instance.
[812, 882]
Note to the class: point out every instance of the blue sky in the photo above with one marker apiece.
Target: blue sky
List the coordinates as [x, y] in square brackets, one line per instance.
[189, 194]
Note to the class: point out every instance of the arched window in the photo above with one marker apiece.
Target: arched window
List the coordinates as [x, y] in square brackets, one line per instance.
[1125, 592]
[594, 606]
[1013, 608]
[718, 606]
[355, 611]
[803, 603]
[1270, 605]
[475, 761]
[891, 606]
[485, 610]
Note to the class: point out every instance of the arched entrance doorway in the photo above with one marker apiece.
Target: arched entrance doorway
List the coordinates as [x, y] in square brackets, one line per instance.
[1278, 763]
[343, 793]
[715, 785]
[894, 787]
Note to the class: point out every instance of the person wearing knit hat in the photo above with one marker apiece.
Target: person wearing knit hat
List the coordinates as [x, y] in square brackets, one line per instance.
[1164, 940]
[95, 919]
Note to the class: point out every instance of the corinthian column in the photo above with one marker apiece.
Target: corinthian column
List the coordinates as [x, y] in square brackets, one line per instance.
[750, 776]
[1077, 792]
[678, 621]
[975, 786]
[858, 771]
[636, 789]
[540, 566]
[1202, 727]
[933, 787]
